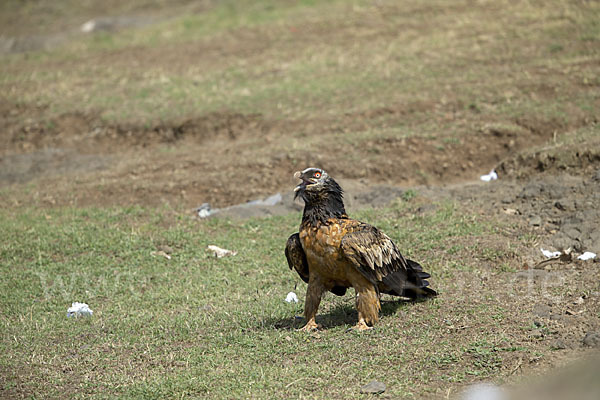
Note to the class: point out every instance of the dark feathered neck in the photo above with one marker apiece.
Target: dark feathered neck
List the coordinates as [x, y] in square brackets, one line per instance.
[324, 204]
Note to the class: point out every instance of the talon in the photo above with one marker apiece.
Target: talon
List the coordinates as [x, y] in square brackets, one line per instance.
[362, 326]
[309, 327]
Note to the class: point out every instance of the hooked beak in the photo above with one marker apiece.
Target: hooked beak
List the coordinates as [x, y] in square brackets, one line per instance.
[304, 183]
[298, 175]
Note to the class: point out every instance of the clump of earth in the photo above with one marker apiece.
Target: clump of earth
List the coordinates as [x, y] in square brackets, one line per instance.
[563, 209]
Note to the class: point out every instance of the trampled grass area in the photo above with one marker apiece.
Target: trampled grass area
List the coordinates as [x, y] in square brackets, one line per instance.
[340, 84]
[201, 326]
[287, 60]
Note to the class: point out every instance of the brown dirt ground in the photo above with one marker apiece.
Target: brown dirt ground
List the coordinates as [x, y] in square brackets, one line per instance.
[226, 158]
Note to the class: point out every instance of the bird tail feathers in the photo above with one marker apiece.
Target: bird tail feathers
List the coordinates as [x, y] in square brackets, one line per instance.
[417, 283]
[409, 283]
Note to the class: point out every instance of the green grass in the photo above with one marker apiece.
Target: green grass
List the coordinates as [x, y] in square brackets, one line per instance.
[290, 70]
[201, 326]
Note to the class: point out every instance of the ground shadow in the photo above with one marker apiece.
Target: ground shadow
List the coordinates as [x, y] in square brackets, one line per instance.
[342, 314]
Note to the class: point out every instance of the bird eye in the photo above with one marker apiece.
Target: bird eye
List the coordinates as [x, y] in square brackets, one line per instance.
[317, 175]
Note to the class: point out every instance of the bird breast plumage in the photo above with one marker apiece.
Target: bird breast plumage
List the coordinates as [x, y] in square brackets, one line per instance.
[322, 245]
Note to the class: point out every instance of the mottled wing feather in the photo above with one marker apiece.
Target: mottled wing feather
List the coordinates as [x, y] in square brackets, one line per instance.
[296, 257]
[373, 253]
[378, 259]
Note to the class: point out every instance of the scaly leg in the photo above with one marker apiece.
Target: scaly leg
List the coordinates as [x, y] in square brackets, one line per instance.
[367, 304]
[313, 297]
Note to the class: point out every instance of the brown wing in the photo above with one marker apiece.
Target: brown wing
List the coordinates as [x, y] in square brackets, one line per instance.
[378, 259]
[295, 256]
[296, 259]
[372, 252]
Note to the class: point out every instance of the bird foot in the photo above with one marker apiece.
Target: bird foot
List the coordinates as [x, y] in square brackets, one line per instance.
[310, 326]
[361, 326]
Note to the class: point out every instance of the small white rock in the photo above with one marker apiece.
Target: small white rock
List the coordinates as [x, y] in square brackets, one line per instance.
[79, 310]
[550, 254]
[204, 211]
[89, 26]
[588, 255]
[291, 298]
[160, 253]
[219, 252]
[492, 176]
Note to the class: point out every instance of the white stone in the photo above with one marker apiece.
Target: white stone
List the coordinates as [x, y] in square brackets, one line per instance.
[291, 298]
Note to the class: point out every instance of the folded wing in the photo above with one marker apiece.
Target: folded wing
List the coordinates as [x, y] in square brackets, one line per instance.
[378, 259]
[296, 257]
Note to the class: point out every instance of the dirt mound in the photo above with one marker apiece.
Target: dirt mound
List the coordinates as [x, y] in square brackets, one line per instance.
[448, 159]
[566, 208]
[88, 132]
[574, 159]
[560, 211]
[227, 158]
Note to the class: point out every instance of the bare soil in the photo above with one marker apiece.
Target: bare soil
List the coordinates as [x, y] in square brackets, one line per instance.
[226, 158]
